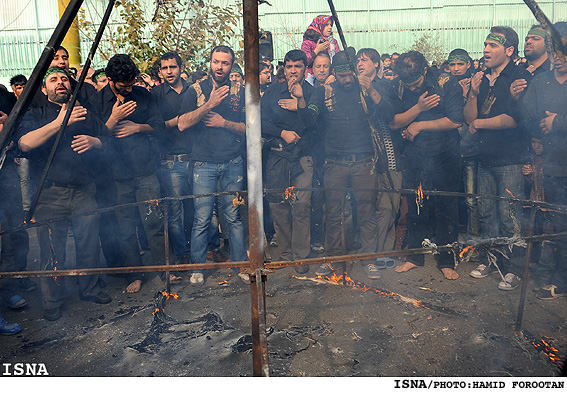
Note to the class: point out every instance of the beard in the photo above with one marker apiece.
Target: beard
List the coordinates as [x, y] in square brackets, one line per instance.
[219, 80]
[59, 97]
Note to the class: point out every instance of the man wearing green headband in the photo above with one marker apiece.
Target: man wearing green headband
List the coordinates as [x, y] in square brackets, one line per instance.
[99, 78]
[429, 110]
[69, 188]
[535, 51]
[337, 110]
[503, 149]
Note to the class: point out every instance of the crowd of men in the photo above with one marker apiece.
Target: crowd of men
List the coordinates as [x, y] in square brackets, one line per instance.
[497, 127]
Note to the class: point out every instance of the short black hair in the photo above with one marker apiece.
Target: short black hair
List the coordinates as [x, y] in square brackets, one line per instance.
[223, 49]
[196, 75]
[511, 36]
[384, 56]
[121, 68]
[18, 80]
[295, 55]
[172, 55]
[371, 53]
[61, 47]
[262, 66]
[409, 65]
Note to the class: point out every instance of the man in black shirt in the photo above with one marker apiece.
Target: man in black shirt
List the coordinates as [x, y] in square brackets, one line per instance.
[175, 150]
[389, 166]
[132, 118]
[68, 190]
[290, 160]
[213, 113]
[429, 110]
[535, 50]
[503, 149]
[349, 153]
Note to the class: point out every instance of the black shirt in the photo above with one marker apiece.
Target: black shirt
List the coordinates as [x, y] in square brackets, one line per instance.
[215, 144]
[275, 119]
[342, 119]
[451, 105]
[134, 153]
[168, 102]
[508, 146]
[68, 167]
[85, 93]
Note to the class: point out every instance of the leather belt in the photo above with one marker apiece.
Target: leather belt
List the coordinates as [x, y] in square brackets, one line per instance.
[176, 157]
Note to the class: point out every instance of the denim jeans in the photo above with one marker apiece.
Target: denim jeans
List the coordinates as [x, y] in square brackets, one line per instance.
[556, 192]
[141, 188]
[211, 177]
[495, 216]
[175, 179]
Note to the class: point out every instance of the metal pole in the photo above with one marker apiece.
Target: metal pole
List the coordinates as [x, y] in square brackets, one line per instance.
[255, 205]
[526, 270]
[36, 77]
[166, 240]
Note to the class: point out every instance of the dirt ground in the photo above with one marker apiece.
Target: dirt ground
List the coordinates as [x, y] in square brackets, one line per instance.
[316, 328]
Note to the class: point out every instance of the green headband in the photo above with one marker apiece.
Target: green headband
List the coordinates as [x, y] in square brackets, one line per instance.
[342, 68]
[537, 31]
[411, 79]
[498, 39]
[100, 75]
[454, 58]
[55, 70]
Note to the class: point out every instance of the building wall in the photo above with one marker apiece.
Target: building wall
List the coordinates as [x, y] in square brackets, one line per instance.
[387, 25]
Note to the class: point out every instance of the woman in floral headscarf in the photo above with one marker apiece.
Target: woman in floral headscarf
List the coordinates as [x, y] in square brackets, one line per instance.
[319, 37]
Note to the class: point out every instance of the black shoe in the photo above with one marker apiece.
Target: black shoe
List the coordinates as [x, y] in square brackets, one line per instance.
[100, 298]
[301, 269]
[27, 285]
[52, 314]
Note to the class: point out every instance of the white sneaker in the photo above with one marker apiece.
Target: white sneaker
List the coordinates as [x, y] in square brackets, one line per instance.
[244, 277]
[510, 282]
[197, 279]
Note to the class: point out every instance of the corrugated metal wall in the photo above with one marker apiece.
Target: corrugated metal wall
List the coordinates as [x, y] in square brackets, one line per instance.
[387, 25]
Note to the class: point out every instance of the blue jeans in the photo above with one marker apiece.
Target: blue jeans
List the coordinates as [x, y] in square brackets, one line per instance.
[175, 179]
[494, 215]
[210, 177]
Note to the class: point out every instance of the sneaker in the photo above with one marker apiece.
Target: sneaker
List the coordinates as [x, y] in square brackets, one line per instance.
[197, 279]
[372, 271]
[100, 298]
[301, 269]
[244, 277]
[384, 263]
[52, 314]
[510, 282]
[549, 292]
[324, 270]
[318, 247]
[483, 271]
[27, 285]
[8, 328]
[16, 302]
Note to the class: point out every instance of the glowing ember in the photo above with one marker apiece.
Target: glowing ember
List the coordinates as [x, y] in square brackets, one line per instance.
[420, 194]
[167, 295]
[543, 346]
[289, 194]
[465, 250]
[157, 310]
[223, 282]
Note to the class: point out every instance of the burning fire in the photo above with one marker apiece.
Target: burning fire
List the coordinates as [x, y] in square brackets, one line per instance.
[223, 282]
[465, 250]
[289, 194]
[167, 295]
[543, 346]
[157, 310]
[420, 194]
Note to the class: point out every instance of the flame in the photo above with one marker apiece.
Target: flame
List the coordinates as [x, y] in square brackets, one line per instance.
[465, 250]
[238, 200]
[420, 194]
[167, 295]
[510, 192]
[543, 346]
[157, 310]
[289, 194]
[223, 282]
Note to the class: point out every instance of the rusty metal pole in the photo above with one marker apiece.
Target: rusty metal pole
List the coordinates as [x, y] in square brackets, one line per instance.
[255, 206]
[531, 232]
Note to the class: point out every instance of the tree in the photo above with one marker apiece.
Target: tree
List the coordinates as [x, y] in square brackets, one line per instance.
[189, 27]
[430, 46]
